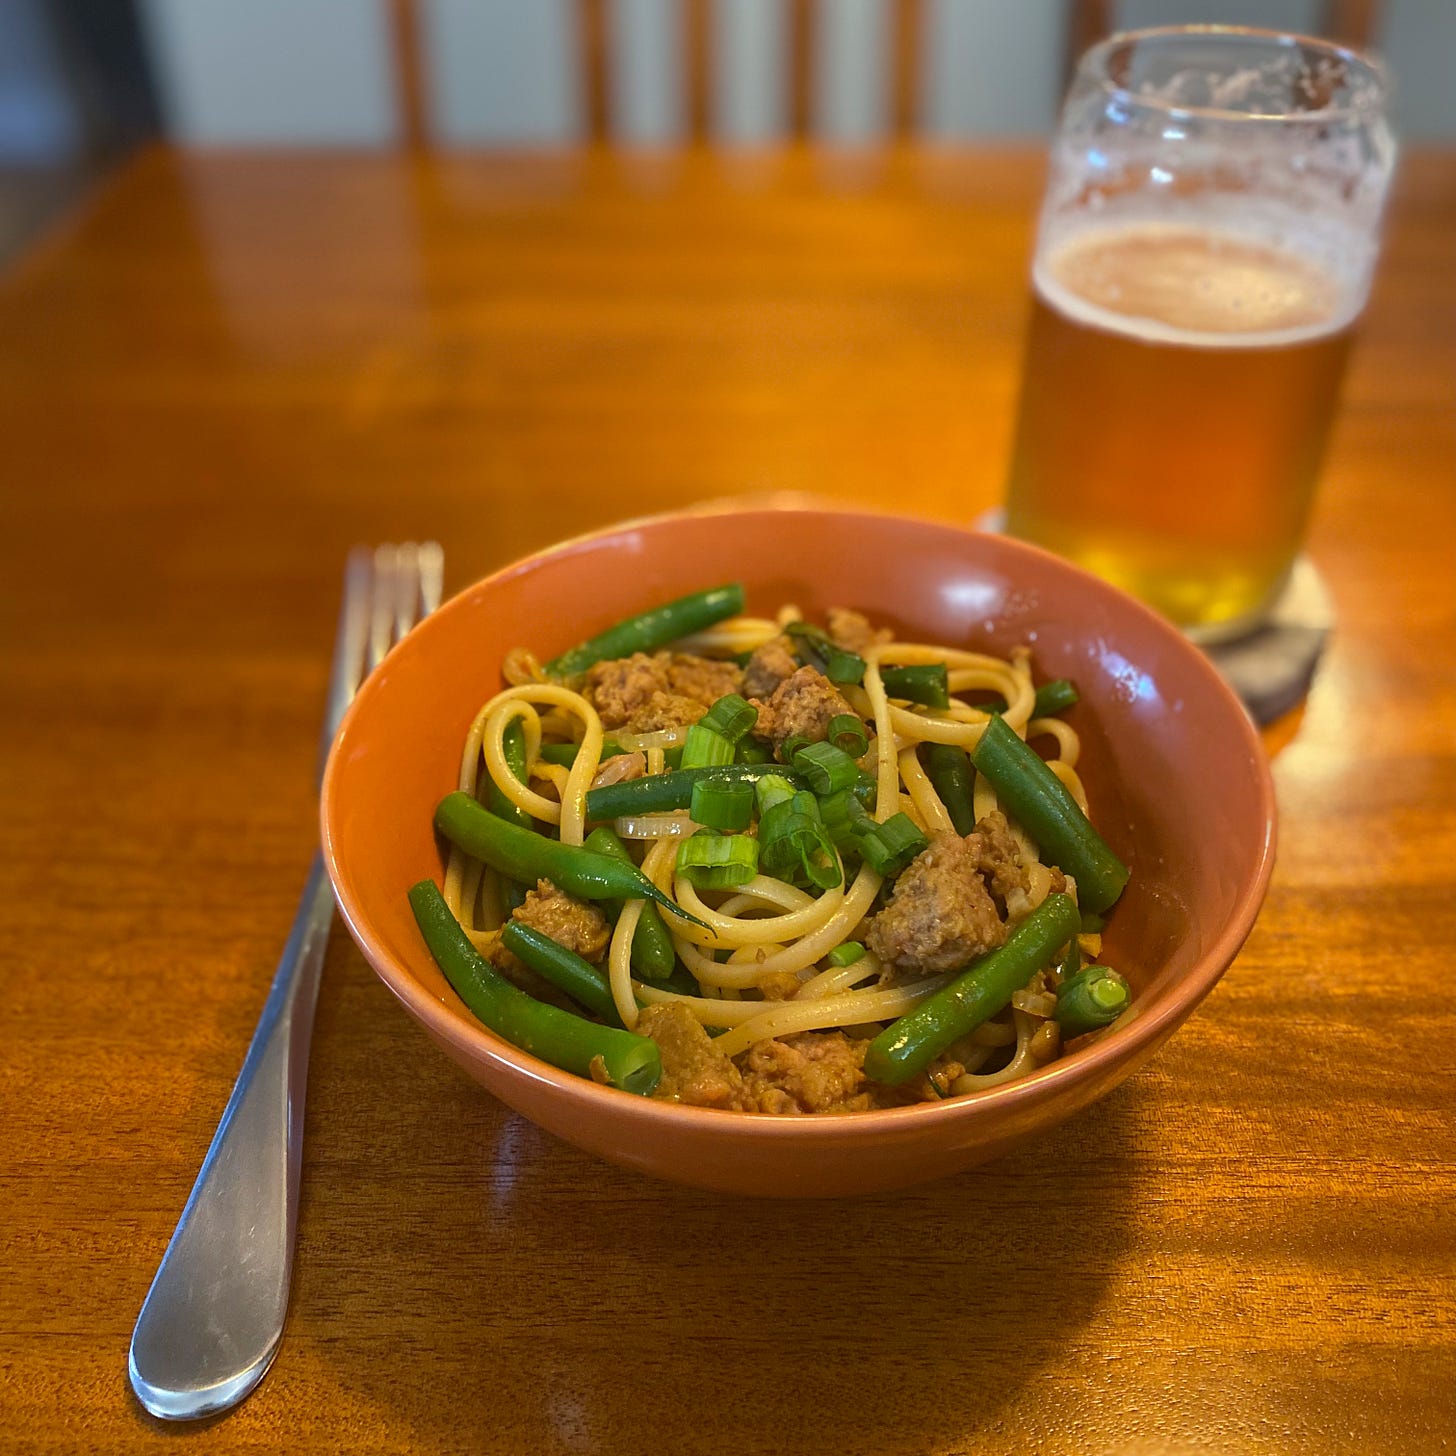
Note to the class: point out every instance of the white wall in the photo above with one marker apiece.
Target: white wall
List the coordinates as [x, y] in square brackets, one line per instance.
[509, 72]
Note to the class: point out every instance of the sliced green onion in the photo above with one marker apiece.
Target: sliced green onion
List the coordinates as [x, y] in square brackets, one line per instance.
[719, 805]
[731, 716]
[846, 954]
[845, 820]
[926, 683]
[867, 789]
[705, 748]
[794, 844]
[848, 733]
[890, 846]
[793, 744]
[713, 861]
[1092, 922]
[826, 769]
[672, 758]
[772, 789]
[754, 750]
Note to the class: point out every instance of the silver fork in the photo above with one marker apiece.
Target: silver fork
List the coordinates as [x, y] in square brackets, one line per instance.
[213, 1318]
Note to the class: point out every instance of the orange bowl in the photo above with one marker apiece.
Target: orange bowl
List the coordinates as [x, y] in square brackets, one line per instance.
[1174, 769]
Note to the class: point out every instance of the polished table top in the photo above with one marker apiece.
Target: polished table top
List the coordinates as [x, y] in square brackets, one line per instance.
[233, 367]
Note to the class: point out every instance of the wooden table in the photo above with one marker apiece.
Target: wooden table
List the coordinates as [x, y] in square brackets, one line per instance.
[233, 367]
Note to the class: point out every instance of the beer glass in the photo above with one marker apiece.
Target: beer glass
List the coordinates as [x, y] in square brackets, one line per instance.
[1206, 244]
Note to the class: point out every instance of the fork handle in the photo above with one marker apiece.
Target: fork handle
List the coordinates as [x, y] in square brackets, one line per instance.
[213, 1317]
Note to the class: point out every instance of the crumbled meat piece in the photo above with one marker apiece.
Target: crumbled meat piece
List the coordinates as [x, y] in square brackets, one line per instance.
[852, 630]
[705, 679]
[693, 1070]
[779, 985]
[999, 860]
[619, 688]
[769, 666]
[644, 693]
[663, 710]
[803, 704]
[941, 914]
[576, 924]
[810, 1072]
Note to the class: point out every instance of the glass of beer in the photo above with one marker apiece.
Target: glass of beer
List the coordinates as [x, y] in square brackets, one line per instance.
[1206, 244]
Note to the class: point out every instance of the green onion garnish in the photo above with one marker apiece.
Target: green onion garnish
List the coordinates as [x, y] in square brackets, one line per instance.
[792, 745]
[846, 954]
[705, 748]
[772, 789]
[794, 844]
[720, 805]
[826, 769]
[754, 750]
[731, 716]
[713, 861]
[846, 732]
[845, 820]
[890, 846]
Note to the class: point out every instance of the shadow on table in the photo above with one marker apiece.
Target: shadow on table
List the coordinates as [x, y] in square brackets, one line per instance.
[509, 1293]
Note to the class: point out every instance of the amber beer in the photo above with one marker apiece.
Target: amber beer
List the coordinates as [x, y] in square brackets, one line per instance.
[1177, 395]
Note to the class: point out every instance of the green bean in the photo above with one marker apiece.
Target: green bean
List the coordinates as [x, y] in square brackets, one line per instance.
[950, 775]
[565, 753]
[652, 954]
[907, 1046]
[1054, 697]
[1094, 997]
[925, 683]
[682, 982]
[529, 857]
[651, 630]
[658, 793]
[513, 741]
[1044, 808]
[561, 965]
[1071, 961]
[572, 1043]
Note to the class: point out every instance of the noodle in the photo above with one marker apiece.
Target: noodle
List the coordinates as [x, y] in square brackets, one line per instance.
[757, 959]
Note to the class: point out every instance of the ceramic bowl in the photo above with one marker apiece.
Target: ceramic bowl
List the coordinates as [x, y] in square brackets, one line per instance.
[1178, 782]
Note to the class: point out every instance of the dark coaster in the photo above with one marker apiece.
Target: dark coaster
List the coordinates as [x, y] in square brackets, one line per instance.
[1271, 667]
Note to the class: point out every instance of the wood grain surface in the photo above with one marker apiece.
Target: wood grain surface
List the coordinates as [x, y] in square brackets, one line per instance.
[230, 369]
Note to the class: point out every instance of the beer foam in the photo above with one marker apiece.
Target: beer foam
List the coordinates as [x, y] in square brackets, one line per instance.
[1199, 286]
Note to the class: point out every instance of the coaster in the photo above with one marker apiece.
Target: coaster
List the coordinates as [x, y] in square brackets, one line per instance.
[1271, 667]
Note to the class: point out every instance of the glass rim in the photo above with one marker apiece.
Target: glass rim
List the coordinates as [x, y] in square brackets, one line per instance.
[1093, 67]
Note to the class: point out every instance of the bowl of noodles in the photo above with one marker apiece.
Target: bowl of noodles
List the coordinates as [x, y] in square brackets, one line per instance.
[797, 851]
